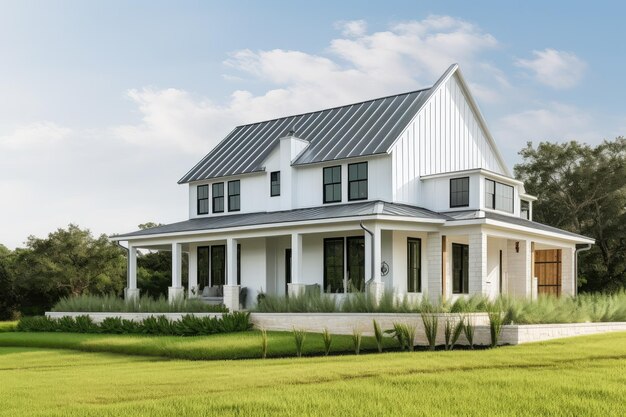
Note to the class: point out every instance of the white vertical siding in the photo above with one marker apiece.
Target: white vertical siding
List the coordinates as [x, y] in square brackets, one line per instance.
[445, 136]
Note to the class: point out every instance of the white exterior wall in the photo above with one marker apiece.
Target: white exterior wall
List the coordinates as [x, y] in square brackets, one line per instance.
[519, 268]
[433, 253]
[252, 267]
[399, 262]
[494, 246]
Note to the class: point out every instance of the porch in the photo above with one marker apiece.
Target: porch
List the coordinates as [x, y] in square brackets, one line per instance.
[415, 259]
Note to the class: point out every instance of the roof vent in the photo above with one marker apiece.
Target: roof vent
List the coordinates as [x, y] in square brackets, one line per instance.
[291, 133]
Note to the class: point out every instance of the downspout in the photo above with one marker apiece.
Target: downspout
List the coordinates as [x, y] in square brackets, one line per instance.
[371, 249]
[578, 250]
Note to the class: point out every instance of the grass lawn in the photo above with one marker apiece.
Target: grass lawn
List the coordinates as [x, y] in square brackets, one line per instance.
[577, 376]
[219, 346]
[7, 326]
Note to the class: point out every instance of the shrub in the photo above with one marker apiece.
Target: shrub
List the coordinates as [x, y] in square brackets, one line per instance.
[431, 322]
[378, 335]
[299, 335]
[36, 324]
[357, 337]
[468, 330]
[328, 339]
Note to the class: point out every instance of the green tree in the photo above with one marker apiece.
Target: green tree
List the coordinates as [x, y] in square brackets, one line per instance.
[68, 262]
[8, 296]
[582, 189]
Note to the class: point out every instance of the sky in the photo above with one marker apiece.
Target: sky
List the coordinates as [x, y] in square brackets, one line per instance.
[105, 105]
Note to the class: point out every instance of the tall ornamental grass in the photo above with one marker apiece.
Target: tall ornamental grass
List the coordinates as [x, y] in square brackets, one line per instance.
[145, 304]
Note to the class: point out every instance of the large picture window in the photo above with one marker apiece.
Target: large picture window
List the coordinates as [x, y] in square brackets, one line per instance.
[498, 196]
[332, 184]
[218, 197]
[218, 265]
[357, 181]
[203, 199]
[459, 192]
[234, 199]
[275, 184]
[460, 268]
[355, 255]
[333, 265]
[414, 265]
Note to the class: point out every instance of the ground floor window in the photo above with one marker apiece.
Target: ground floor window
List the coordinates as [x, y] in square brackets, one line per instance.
[212, 265]
[414, 265]
[460, 268]
[356, 263]
[344, 264]
[333, 264]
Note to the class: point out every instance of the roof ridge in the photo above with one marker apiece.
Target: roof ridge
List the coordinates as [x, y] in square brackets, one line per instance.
[335, 107]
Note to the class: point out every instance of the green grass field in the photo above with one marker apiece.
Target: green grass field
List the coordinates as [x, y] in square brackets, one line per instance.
[578, 376]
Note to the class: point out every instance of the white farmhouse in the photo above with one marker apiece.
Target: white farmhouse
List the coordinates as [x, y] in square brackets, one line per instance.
[406, 193]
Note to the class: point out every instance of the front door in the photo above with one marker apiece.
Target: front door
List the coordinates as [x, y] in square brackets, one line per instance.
[356, 263]
[548, 271]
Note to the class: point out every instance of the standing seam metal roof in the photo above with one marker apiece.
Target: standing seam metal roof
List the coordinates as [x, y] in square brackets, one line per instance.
[360, 129]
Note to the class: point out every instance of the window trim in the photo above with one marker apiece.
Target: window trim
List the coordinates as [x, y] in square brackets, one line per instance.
[198, 199]
[234, 195]
[468, 191]
[366, 179]
[462, 289]
[214, 198]
[274, 182]
[494, 196]
[324, 184]
[410, 240]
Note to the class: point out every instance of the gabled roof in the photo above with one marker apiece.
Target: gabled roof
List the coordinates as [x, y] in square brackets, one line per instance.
[367, 208]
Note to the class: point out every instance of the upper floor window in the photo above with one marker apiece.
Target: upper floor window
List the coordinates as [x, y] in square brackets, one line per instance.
[524, 209]
[459, 192]
[234, 202]
[498, 196]
[203, 199]
[275, 184]
[332, 184]
[357, 181]
[218, 197]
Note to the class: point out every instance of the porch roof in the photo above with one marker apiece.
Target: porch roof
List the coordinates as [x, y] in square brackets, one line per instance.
[512, 220]
[362, 209]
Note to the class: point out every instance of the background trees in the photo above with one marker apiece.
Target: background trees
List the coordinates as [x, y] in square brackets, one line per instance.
[582, 189]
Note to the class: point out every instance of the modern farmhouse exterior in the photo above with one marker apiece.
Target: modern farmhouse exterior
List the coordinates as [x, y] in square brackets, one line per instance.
[406, 193]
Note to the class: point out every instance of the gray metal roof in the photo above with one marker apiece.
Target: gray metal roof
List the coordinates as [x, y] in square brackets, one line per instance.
[475, 214]
[359, 129]
[368, 208]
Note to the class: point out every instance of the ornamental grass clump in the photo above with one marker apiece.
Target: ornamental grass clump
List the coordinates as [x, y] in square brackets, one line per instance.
[468, 331]
[299, 335]
[264, 343]
[328, 340]
[431, 324]
[452, 332]
[144, 304]
[495, 326]
[378, 335]
[357, 337]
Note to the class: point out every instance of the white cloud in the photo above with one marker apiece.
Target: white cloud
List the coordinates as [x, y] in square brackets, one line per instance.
[35, 135]
[352, 28]
[556, 69]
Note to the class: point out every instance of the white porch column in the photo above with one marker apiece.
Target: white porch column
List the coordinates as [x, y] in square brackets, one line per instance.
[296, 286]
[477, 273]
[434, 265]
[519, 266]
[231, 289]
[176, 290]
[192, 279]
[131, 291]
[568, 281]
[373, 249]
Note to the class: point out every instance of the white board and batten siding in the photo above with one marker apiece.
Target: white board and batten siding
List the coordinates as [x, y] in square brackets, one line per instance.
[445, 136]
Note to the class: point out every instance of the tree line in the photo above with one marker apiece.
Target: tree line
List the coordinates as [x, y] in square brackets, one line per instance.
[580, 188]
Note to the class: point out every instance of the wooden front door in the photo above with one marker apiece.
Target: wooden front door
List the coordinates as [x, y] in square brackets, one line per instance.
[548, 271]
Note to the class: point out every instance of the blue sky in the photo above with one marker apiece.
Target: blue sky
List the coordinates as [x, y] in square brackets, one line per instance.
[105, 105]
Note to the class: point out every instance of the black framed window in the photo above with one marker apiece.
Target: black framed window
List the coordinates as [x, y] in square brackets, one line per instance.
[218, 265]
[333, 265]
[218, 197]
[414, 264]
[460, 268]
[459, 192]
[355, 256]
[504, 197]
[234, 198]
[203, 199]
[275, 184]
[524, 209]
[238, 264]
[332, 184]
[204, 274]
[357, 181]
[490, 194]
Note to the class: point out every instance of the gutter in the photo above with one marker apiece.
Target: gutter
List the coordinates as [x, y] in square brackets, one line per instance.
[371, 254]
[578, 250]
